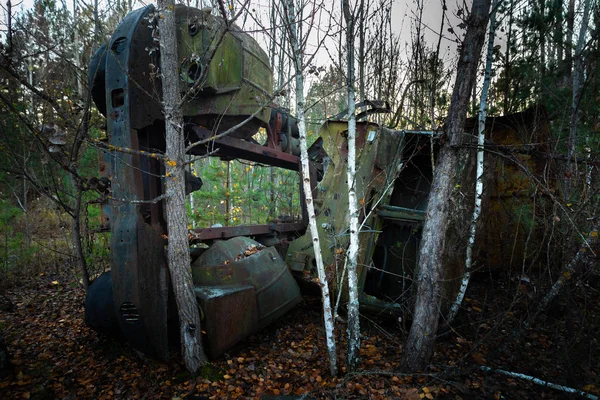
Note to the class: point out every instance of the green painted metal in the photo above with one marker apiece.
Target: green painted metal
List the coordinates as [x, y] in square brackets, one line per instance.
[233, 265]
[401, 213]
[227, 69]
[379, 157]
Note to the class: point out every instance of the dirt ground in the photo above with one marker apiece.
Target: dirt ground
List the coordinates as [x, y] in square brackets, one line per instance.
[55, 356]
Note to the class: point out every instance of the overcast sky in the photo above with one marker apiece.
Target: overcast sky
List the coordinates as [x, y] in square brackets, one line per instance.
[405, 15]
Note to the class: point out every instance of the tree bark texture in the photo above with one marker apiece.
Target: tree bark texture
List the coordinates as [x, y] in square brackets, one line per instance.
[421, 339]
[310, 208]
[178, 256]
[480, 163]
[352, 257]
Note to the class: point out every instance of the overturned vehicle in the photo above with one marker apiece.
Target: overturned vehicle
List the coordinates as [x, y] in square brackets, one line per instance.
[245, 276]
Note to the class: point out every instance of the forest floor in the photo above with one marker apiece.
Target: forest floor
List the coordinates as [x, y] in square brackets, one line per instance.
[55, 356]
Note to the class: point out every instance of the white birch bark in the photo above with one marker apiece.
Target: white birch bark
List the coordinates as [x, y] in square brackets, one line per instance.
[312, 221]
[178, 255]
[479, 174]
[353, 314]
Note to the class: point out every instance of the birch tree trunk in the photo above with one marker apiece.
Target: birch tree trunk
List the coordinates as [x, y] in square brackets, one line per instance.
[507, 83]
[178, 255]
[480, 162]
[421, 339]
[297, 53]
[353, 315]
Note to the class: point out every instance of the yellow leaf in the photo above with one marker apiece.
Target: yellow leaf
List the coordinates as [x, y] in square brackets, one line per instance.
[426, 389]
[476, 309]
[591, 389]
[55, 282]
[593, 234]
[567, 274]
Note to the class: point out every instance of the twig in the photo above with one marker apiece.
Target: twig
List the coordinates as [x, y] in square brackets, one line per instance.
[540, 382]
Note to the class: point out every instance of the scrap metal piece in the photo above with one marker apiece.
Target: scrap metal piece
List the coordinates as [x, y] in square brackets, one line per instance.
[230, 314]
[222, 276]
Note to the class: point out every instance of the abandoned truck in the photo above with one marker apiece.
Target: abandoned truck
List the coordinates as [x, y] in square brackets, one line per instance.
[228, 80]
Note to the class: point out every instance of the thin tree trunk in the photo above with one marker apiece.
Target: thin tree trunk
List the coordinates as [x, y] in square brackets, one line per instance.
[558, 35]
[569, 43]
[480, 162]
[421, 339]
[361, 51]
[272, 205]
[434, 84]
[506, 107]
[227, 194]
[353, 315]
[178, 255]
[585, 256]
[76, 233]
[80, 137]
[96, 23]
[577, 87]
[312, 220]
[9, 30]
[543, 31]
[434, 87]
[76, 54]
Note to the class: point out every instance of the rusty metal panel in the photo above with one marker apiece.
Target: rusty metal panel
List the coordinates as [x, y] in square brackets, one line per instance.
[378, 159]
[242, 261]
[235, 148]
[138, 264]
[230, 314]
[228, 232]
